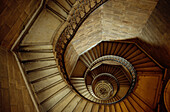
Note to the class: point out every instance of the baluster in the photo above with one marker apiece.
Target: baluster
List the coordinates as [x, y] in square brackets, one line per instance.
[83, 4]
[79, 11]
[69, 2]
[89, 4]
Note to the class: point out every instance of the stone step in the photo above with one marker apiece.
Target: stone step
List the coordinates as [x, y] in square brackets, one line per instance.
[129, 105]
[33, 76]
[88, 107]
[50, 103]
[135, 105]
[101, 108]
[95, 108]
[112, 108]
[45, 83]
[38, 65]
[142, 103]
[72, 104]
[122, 91]
[123, 106]
[51, 91]
[118, 108]
[106, 108]
[32, 56]
[63, 102]
[35, 47]
[80, 106]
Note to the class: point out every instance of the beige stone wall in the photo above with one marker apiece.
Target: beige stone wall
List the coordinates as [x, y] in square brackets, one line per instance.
[114, 20]
[43, 29]
[14, 96]
[14, 15]
[156, 33]
[125, 19]
[88, 35]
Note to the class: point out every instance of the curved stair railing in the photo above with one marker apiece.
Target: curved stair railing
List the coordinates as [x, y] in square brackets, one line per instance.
[53, 94]
[127, 78]
[80, 11]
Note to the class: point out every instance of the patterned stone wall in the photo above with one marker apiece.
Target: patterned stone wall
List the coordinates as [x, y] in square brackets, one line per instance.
[14, 96]
[14, 15]
[156, 33]
[125, 18]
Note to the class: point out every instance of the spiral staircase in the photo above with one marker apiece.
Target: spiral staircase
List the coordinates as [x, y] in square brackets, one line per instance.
[112, 76]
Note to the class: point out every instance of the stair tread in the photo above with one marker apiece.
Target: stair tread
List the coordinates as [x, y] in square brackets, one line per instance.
[35, 65]
[123, 107]
[143, 65]
[40, 74]
[133, 49]
[135, 105]
[38, 47]
[44, 95]
[149, 69]
[124, 46]
[31, 56]
[72, 104]
[107, 108]
[142, 103]
[118, 48]
[123, 91]
[44, 83]
[138, 57]
[80, 106]
[95, 108]
[63, 103]
[134, 54]
[112, 108]
[128, 105]
[101, 108]
[142, 60]
[129, 46]
[88, 107]
[117, 107]
[52, 101]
